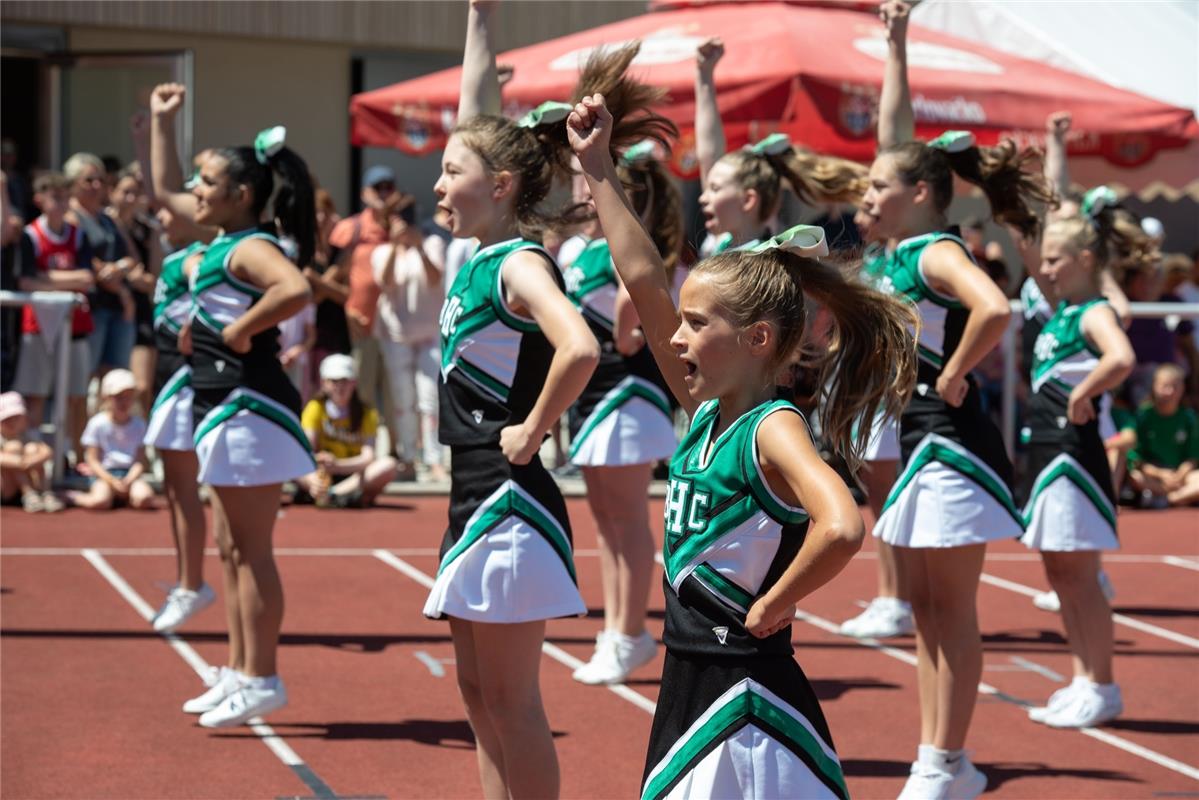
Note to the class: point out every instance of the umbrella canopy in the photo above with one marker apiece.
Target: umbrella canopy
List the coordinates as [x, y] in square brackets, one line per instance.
[811, 70]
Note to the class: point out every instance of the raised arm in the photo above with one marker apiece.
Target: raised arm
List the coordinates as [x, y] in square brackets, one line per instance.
[634, 254]
[480, 91]
[166, 174]
[1057, 171]
[896, 122]
[709, 132]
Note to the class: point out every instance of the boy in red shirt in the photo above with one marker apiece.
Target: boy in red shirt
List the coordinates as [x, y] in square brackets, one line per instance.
[55, 256]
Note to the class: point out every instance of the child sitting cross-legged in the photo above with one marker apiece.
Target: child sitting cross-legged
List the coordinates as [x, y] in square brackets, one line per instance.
[22, 463]
[112, 443]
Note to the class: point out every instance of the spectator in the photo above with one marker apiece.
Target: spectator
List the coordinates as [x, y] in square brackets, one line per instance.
[114, 452]
[1162, 465]
[342, 431]
[111, 301]
[55, 255]
[329, 296]
[22, 463]
[408, 270]
[1152, 340]
[10, 271]
[128, 208]
[18, 193]
[1177, 286]
[355, 238]
[297, 335]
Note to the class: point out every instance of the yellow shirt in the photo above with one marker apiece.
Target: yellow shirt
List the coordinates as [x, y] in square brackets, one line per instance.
[335, 435]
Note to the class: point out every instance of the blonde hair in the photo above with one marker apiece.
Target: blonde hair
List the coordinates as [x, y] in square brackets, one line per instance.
[537, 155]
[1113, 236]
[814, 178]
[79, 162]
[869, 362]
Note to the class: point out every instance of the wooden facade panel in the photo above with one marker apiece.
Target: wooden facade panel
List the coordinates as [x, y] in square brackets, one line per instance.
[414, 25]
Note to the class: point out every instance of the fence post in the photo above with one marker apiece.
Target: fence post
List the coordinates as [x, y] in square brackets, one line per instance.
[62, 391]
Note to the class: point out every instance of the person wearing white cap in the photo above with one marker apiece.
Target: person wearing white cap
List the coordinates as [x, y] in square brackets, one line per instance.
[112, 447]
[342, 431]
[22, 463]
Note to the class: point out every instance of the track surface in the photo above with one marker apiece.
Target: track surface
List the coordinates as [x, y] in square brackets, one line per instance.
[89, 704]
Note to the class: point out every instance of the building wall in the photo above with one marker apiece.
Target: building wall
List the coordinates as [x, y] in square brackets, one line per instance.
[245, 85]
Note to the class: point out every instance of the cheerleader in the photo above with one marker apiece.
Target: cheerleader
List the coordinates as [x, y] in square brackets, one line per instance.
[247, 435]
[755, 520]
[1070, 511]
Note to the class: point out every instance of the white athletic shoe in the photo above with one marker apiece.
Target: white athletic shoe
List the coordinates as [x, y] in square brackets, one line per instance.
[181, 604]
[929, 783]
[1057, 701]
[1049, 601]
[883, 618]
[621, 655]
[246, 702]
[226, 683]
[1090, 705]
[603, 640]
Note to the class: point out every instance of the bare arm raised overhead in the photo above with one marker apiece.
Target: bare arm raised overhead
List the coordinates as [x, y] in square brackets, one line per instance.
[896, 121]
[166, 173]
[1057, 171]
[709, 132]
[480, 91]
[634, 254]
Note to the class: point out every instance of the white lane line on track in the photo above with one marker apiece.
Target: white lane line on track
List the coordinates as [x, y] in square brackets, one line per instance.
[987, 689]
[1119, 619]
[280, 748]
[435, 666]
[1185, 563]
[551, 650]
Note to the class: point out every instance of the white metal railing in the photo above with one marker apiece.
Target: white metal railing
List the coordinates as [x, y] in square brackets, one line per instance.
[62, 387]
[1011, 375]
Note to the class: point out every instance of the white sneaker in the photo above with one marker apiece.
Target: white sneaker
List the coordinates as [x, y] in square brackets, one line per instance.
[181, 604]
[1057, 701]
[1089, 706]
[622, 655]
[929, 783]
[883, 618]
[227, 682]
[603, 640]
[247, 702]
[1049, 601]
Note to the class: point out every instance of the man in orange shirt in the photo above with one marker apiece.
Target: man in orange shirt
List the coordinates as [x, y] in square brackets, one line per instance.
[354, 238]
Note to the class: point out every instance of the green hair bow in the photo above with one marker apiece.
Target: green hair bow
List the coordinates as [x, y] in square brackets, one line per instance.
[1096, 200]
[548, 112]
[639, 153]
[773, 145]
[269, 142]
[953, 141]
[804, 240]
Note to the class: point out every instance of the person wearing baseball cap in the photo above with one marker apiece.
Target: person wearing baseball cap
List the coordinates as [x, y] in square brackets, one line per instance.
[342, 431]
[113, 449]
[22, 463]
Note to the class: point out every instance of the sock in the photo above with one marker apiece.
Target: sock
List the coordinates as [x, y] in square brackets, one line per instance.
[947, 760]
[624, 641]
[924, 754]
[1080, 681]
[262, 681]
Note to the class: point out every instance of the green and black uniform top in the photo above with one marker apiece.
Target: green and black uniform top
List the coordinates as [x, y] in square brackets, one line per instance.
[728, 537]
[1062, 359]
[592, 286]
[219, 298]
[493, 361]
[172, 308]
[1036, 311]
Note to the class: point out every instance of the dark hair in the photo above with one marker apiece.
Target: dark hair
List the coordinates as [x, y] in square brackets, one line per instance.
[869, 363]
[538, 154]
[658, 203]
[51, 181]
[814, 178]
[1010, 177]
[293, 204]
[358, 408]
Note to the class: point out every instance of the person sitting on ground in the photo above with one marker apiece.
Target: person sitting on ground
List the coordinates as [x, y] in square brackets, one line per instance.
[1162, 466]
[112, 443]
[342, 430]
[22, 463]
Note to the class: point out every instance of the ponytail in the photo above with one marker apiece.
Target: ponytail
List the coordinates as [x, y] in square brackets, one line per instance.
[279, 181]
[1010, 177]
[869, 362]
[1109, 231]
[536, 149]
[815, 179]
[657, 201]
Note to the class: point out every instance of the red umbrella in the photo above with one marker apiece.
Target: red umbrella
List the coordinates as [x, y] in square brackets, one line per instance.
[812, 70]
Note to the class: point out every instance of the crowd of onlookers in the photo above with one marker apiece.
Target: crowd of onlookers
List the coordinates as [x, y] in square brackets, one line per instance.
[364, 355]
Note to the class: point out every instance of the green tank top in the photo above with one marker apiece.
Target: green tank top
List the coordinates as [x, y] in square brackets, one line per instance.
[1063, 357]
[591, 283]
[172, 296]
[218, 298]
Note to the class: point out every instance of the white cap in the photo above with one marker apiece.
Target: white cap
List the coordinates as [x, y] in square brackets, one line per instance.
[338, 367]
[117, 381]
[1153, 228]
[11, 405]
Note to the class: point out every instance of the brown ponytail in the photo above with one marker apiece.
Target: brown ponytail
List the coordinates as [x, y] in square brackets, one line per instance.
[538, 154]
[869, 362]
[658, 203]
[814, 178]
[1010, 177]
[1113, 235]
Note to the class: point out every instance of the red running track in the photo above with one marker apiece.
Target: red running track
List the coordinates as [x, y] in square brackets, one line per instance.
[89, 700]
